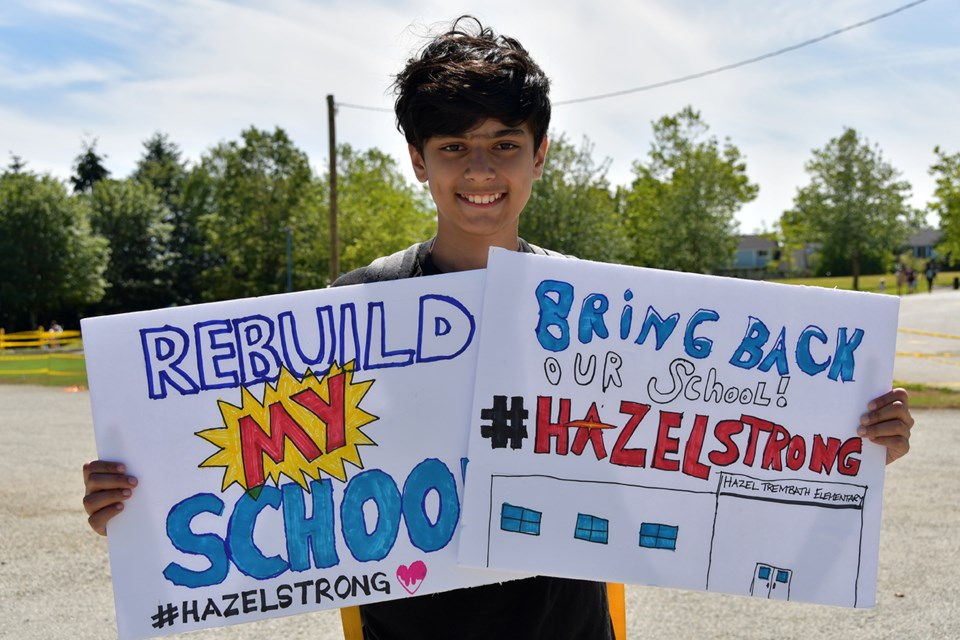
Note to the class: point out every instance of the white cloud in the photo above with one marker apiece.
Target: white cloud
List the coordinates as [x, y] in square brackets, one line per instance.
[203, 70]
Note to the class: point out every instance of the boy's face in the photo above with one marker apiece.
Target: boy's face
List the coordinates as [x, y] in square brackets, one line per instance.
[480, 180]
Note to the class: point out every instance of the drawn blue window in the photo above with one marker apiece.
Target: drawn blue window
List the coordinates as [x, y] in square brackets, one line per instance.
[782, 576]
[658, 536]
[591, 528]
[764, 573]
[519, 520]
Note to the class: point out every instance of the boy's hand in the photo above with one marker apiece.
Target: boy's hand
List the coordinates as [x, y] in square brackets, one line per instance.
[106, 487]
[888, 422]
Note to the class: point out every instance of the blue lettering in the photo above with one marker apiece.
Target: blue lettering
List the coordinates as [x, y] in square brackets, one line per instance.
[777, 355]
[243, 550]
[348, 319]
[626, 316]
[376, 322]
[750, 351]
[259, 361]
[553, 313]
[843, 362]
[314, 534]
[699, 347]
[804, 357]
[164, 348]
[208, 545]
[378, 487]
[591, 318]
[662, 329]
[290, 343]
[453, 328]
[205, 334]
[430, 475]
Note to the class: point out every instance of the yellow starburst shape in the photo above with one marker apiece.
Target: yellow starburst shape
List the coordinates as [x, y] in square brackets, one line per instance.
[302, 428]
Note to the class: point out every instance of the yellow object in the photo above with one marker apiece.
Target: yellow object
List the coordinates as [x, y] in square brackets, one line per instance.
[43, 339]
[618, 609]
[353, 630]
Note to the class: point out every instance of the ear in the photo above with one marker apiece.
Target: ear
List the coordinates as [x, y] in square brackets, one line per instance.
[419, 166]
[539, 158]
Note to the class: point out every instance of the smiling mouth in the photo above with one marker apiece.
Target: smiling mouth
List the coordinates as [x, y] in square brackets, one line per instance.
[481, 198]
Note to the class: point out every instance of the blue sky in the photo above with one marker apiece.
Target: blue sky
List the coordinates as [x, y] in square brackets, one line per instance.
[204, 70]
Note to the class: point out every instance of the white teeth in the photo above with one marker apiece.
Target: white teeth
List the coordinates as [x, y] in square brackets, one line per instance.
[483, 199]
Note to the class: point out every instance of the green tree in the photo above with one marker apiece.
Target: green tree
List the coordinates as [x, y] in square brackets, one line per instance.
[50, 260]
[855, 206]
[185, 194]
[380, 212]
[679, 210]
[132, 217]
[245, 196]
[161, 166]
[88, 168]
[572, 209]
[946, 204]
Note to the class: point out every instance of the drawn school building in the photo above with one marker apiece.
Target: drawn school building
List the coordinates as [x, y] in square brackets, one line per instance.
[740, 537]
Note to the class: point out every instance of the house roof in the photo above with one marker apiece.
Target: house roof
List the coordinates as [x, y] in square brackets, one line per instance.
[924, 238]
[748, 243]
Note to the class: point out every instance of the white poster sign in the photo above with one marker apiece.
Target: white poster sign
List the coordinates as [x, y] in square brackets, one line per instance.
[294, 452]
[670, 429]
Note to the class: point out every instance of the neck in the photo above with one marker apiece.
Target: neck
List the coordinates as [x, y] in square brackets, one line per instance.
[466, 254]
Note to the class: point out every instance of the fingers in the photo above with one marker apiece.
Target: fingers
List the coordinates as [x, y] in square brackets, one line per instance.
[890, 398]
[106, 486]
[98, 519]
[888, 423]
[102, 467]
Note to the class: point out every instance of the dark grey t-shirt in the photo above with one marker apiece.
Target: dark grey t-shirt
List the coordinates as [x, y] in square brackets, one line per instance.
[540, 607]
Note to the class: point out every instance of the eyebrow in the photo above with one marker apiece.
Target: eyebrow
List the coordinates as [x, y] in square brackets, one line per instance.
[500, 133]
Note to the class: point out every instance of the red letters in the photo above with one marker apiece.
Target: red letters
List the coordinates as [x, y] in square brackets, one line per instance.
[674, 449]
[254, 442]
[331, 413]
[621, 455]
[547, 430]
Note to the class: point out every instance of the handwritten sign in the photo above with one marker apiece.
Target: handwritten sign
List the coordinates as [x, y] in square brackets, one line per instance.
[294, 452]
[678, 430]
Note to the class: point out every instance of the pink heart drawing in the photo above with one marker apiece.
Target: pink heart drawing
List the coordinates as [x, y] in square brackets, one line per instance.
[411, 577]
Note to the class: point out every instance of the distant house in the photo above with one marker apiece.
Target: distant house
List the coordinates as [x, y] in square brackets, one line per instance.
[921, 244]
[755, 252]
[753, 255]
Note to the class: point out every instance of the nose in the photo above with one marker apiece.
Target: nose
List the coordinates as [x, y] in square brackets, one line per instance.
[479, 166]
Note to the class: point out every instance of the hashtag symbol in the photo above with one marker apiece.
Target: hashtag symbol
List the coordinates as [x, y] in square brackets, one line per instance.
[166, 614]
[505, 425]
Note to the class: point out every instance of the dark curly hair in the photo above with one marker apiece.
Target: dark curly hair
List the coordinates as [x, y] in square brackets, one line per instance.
[466, 75]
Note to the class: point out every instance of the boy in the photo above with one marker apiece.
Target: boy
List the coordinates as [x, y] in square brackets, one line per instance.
[475, 109]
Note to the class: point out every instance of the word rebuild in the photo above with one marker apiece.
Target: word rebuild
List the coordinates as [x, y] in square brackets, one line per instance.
[225, 353]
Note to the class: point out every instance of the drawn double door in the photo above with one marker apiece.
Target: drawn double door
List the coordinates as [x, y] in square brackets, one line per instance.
[771, 582]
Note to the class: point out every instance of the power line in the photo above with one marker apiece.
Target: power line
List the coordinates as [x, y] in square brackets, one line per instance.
[363, 107]
[742, 63]
[694, 76]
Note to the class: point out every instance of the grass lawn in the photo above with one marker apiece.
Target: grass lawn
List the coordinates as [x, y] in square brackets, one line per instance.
[49, 368]
[871, 284]
[924, 397]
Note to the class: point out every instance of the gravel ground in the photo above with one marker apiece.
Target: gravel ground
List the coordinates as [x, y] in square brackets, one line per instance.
[55, 576]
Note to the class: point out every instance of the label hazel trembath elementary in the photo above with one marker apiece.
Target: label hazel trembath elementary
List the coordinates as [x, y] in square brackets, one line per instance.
[233, 352]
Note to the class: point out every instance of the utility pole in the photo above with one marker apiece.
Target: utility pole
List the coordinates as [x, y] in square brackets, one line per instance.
[334, 234]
